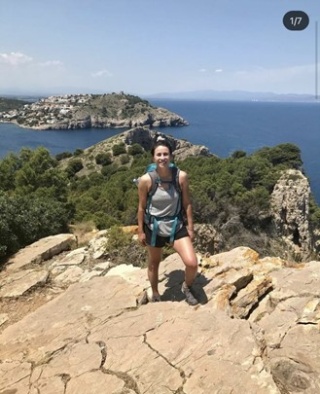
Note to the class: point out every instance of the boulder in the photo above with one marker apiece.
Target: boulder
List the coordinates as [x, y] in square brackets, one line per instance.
[290, 209]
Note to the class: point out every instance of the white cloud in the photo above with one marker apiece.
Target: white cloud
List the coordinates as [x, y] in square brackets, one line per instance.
[101, 73]
[18, 58]
[205, 70]
[14, 58]
[51, 63]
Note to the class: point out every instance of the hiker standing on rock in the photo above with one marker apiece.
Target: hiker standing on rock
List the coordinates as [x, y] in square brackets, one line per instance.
[163, 195]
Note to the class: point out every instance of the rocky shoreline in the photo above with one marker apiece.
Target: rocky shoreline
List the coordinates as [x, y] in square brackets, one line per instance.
[72, 112]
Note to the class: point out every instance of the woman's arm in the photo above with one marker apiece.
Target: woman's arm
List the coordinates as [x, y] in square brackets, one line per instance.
[186, 202]
[143, 189]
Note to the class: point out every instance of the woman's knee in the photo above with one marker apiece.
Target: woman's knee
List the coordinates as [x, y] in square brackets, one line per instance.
[154, 258]
[191, 263]
[190, 259]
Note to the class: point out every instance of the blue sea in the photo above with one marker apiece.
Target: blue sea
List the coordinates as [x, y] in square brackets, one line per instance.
[222, 126]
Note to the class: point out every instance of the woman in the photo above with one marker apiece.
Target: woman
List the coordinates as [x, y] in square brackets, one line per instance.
[164, 203]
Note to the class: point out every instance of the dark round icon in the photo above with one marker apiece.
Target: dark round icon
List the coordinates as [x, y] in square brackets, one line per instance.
[296, 20]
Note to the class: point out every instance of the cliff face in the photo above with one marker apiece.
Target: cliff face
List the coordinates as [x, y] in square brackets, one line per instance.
[290, 209]
[86, 111]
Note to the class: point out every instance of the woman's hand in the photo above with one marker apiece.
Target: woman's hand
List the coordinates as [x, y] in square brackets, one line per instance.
[142, 238]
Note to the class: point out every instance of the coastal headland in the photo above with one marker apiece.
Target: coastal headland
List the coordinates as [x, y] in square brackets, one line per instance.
[68, 112]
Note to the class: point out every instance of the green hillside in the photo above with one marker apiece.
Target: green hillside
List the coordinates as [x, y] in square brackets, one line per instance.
[8, 104]
[39, 197]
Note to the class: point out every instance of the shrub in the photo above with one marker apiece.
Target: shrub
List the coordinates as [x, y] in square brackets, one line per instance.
[122, 249]
[119, 149]
[314, 213]
[135, 149]
[103, 159]
[288, 154]
[238, 154]
[109, 170]
[74, 166]
[26, 220]
[117, 239]
[63, 155]
[124, 159]
[78, 152]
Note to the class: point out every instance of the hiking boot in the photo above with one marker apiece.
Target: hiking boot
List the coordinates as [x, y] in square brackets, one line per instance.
[154, 298]
[189, 293]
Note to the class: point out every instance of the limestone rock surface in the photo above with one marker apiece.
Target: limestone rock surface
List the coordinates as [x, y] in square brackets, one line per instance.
[255, 330]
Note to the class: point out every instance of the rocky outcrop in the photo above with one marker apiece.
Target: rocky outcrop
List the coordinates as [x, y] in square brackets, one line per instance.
[207, 240]
[290, 209]
[96, 111]
[255, 331]
[145, 137]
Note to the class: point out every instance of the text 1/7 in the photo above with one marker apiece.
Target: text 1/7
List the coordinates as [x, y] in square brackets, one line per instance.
[296, 20]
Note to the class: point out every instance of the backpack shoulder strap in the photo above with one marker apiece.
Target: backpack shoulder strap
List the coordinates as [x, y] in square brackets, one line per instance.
[154, 182]
[175, 178]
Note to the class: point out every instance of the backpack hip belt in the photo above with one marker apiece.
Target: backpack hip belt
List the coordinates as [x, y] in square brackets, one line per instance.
[154, 220]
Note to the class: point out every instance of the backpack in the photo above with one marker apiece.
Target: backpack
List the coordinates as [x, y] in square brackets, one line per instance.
[177, 218]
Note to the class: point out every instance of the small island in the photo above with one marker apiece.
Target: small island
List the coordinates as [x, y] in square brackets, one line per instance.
[79, 111]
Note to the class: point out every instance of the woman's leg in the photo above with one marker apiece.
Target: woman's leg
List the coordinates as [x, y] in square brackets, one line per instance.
[154, 258]
[185, 250]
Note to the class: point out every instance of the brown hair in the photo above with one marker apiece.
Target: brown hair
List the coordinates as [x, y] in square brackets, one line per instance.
[161, 141]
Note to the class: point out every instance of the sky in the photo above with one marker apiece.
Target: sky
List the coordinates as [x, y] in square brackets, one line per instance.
[146, 47]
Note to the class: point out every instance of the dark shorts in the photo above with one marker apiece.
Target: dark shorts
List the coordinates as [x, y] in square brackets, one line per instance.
[162, 241]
